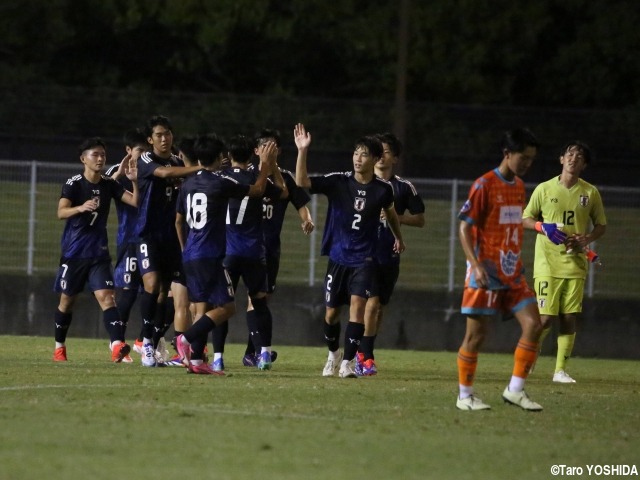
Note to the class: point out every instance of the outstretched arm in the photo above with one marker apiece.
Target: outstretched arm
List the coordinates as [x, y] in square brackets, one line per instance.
[303, 140]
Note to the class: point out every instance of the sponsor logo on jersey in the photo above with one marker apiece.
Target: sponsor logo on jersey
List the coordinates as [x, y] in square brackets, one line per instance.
[510, 214]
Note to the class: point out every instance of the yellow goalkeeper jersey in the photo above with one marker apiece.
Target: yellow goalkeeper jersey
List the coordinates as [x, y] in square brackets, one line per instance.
[579, 208]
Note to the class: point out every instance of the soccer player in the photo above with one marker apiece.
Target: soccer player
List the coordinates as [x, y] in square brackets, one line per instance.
[410, 209]
[491, 237]
[84, 203]
[158, 249]
[273, 214]
[203, 205]
[559, 271]
[126, 276]
[349, 239]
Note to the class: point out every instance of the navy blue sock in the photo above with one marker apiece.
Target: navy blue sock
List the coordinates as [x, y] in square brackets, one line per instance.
[125, 298]
[366, 346]
[62, 322]
[352, 337]
[219, 336]
[113, 324]
[148, 308]
[332, 335]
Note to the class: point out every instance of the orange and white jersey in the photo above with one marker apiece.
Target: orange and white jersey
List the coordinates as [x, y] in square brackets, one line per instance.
[494, 209]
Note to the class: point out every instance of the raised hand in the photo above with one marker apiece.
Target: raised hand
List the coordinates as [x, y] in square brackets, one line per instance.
[301, 137]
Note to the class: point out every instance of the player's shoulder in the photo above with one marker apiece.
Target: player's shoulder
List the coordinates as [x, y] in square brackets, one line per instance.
[112, 169]
[75, 180]
[586, 185]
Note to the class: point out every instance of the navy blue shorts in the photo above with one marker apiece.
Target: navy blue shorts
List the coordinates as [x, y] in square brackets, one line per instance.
[74, 274]
[164, 258]
[208, 282]
[125, 272]
[252, 271]
[342, 282]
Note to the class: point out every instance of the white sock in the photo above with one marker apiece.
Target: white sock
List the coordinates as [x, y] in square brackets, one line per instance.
[59, 345]
[265, 349]
[465, 391]
[146, 340]
[516, 384]
[217, 356]
[197, 362]
[334, 355]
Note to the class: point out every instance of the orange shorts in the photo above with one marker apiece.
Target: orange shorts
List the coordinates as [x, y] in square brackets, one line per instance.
[479, 301]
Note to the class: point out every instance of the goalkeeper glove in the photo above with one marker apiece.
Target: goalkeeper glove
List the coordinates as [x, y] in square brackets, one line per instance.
[552, 232]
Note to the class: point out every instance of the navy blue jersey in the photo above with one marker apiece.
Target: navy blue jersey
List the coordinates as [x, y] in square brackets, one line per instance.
[85, 234]
[405, 197]
[275, 208]
[127, 215]
[245, 232]
[351, 228]
[203, 203]
[157, 198]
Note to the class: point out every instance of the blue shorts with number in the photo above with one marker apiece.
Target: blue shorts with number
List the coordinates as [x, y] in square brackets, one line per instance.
[208, 282]
[75, 273]
[126, 273]
[341, 282]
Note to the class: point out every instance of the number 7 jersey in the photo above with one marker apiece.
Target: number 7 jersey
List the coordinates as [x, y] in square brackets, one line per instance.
[494, 209]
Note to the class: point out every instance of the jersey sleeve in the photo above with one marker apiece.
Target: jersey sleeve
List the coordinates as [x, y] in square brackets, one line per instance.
[297, 195]
[534, 207]
[272, 190]
[322, 184]
[474, 209]
[597, 214]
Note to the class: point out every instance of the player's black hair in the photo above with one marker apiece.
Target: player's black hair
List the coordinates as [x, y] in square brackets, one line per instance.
[265, 134]
[154, 122]
[90, 143]
[582, 147]
[394, 142]
[372, 143]
[518, 139]
[135, 137]
[240, 148]
[186, 145]
[208, 148]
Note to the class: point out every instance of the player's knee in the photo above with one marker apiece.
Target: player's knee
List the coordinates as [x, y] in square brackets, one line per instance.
[259, 304]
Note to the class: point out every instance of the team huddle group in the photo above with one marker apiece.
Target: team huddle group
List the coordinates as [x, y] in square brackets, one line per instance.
[197, 216]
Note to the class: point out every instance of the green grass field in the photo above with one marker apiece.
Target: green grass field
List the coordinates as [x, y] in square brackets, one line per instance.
[89, 418]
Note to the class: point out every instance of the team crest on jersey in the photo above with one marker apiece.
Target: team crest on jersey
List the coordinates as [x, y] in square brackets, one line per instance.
[584, 200]
[542, 302]
[359, 204]
[508, 262]
[96, 199]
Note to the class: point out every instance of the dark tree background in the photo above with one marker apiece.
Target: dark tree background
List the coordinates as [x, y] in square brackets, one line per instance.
[560, 53]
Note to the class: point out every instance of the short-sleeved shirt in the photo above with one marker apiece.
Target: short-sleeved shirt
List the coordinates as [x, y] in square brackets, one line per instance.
[157, 199]
[494, 209]
[85, 234]
[245, 232]
[351, 229]
[127, 215]
[578, 208]
[405, 197]
[274, 210]
[203, 203]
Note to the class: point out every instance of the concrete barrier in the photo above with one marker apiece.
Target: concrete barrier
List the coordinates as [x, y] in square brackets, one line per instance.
[416, 320]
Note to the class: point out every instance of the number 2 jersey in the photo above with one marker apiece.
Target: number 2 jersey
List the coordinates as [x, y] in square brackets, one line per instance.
[494, 209]
[85, 234]
[350, 233]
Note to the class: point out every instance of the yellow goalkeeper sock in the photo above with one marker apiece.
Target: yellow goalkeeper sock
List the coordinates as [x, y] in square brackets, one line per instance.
[565, 348]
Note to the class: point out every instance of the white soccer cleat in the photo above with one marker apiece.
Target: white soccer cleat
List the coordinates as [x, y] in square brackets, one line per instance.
[562, 377]
[471, 403]
[148, 358]
[520, 399]
[332, 366]
[348, 369]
